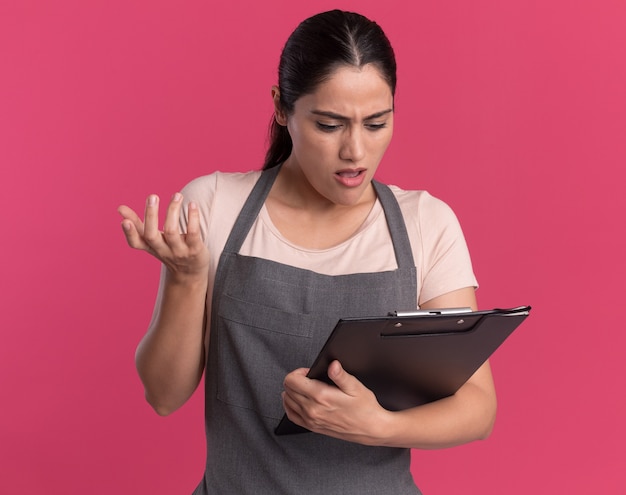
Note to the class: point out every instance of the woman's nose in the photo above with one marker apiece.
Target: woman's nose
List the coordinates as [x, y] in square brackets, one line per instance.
[352, 146]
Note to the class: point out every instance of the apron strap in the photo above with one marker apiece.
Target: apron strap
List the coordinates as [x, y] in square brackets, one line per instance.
[250, 210]
[397, 227]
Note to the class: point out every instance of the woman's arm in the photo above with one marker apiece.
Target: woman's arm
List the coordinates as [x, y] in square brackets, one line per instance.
[170, 357]
[350, 411]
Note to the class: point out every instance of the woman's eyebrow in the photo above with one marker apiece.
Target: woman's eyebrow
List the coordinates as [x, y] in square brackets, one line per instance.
[336, 116]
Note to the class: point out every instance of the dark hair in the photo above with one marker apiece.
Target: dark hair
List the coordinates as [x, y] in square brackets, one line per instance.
[318, 46]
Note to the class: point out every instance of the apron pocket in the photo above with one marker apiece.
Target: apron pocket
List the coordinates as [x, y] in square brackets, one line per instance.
[257, 347]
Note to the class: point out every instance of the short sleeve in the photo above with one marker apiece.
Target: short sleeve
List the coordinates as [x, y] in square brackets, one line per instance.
[441, 254]
[201, 191]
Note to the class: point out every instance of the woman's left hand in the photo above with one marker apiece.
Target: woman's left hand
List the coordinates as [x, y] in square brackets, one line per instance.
[348, 411]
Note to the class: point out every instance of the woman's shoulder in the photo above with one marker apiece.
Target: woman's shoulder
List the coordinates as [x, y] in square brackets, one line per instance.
[421, 206]
[219, 197]
[218, 182]
[220, 194]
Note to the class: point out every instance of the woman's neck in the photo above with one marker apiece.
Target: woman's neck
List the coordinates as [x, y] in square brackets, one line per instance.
[308, 219]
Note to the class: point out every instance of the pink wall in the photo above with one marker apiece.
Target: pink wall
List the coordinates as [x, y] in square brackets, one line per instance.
[514, 112]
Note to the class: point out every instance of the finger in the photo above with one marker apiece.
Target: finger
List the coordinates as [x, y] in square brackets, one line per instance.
[132, 236]
[297, 394]
[299, 372]
[306, 411]
[171, 227]
[194, 234]
[129, 214]
[346, 382]
[293, 409]
[132, 227]
[151, 234]
[298, 382]
[291, 403]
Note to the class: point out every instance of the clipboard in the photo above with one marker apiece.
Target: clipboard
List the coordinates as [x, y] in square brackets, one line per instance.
[412, 358]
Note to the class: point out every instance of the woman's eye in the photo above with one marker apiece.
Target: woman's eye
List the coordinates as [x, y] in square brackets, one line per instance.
[377, 126]
[327, 127]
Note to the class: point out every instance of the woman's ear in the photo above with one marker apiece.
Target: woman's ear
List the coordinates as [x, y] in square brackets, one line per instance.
[279, 115]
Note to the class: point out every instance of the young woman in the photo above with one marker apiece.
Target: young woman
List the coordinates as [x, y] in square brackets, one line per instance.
[267, 262]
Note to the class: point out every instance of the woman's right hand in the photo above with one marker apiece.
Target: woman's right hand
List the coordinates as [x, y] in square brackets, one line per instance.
[184, 254]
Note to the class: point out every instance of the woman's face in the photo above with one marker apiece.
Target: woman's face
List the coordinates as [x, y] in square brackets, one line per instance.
[340, 133]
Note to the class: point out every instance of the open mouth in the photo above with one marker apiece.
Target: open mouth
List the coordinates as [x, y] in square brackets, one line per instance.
[351, 177]
[350, 174]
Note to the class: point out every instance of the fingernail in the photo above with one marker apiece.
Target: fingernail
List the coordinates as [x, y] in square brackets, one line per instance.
[152, 199]
[126, 226]
[177, 197]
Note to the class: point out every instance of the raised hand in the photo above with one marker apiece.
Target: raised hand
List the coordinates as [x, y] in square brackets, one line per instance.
[184, 254]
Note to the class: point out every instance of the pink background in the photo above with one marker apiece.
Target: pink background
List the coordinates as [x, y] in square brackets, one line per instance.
[514, 112]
